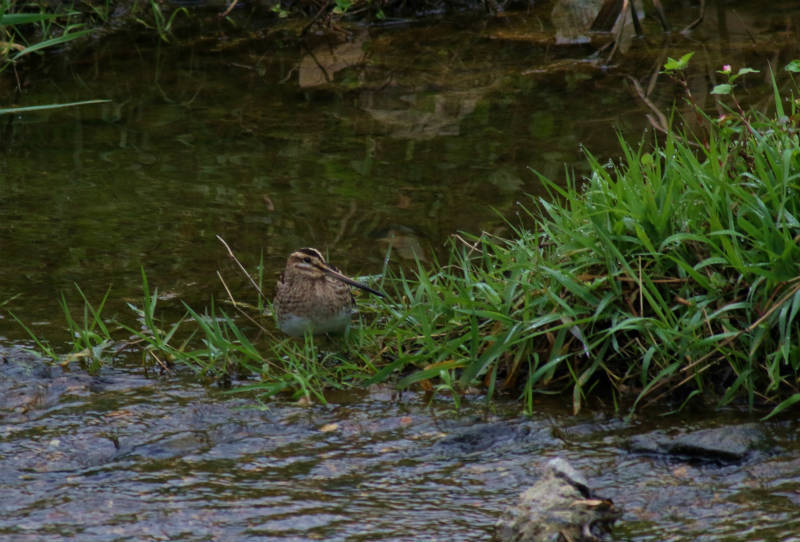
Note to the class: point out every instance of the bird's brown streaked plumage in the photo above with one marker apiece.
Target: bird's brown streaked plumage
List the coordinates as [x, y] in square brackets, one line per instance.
[313, 295]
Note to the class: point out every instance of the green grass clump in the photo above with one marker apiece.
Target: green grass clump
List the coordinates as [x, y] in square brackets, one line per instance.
[37, 26]
[672, 274]
[26, 29]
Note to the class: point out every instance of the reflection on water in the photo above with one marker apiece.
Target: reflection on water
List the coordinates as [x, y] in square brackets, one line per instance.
[397, 138]
[400, 134]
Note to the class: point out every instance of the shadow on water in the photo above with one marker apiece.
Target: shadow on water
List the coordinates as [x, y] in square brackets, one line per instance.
[397, 136]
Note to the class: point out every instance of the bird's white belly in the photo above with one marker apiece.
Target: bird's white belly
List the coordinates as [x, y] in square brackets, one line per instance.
[297, 326]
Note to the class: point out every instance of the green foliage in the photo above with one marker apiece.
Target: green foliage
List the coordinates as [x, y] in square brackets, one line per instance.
[671, 65]
[32, 27]
[793, 66]
[91, 342]
[160, 22]
[342, 6]
[26, 32]
[727, 88]
[101, 10]
[670, 275]
[279, 11]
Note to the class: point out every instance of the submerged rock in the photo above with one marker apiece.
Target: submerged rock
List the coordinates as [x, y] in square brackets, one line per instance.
[721, 444]
[492, 436]
[479, 437]
[558, 507]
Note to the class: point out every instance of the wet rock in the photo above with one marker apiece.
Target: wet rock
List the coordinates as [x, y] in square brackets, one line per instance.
[484, 436]
[479, 437]
[721, 444]
[558, 507]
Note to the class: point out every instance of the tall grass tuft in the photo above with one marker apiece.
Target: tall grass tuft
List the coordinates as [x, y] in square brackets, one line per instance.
[672, 274]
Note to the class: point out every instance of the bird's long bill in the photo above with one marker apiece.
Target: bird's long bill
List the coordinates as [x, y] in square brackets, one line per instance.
[350, 281]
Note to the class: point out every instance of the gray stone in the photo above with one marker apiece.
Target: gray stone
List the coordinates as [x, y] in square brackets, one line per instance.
[722, 444]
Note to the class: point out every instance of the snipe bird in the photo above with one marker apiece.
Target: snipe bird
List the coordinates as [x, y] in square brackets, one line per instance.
[313, 295]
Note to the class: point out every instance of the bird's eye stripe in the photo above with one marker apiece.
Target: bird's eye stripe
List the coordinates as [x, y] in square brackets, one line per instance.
[311, 252]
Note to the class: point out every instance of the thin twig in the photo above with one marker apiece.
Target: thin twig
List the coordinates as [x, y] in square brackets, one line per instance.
[662, 125]
[661, 15]
[235, 259]
[622, 278]
[699, 18]
[236, 306]
[313, 20]
[618, 37]
[344, 222]
[641, 292]
[659, 61]
[229, 8]
[472, 247]
[252, 320]
[161, 363]
[16, 76]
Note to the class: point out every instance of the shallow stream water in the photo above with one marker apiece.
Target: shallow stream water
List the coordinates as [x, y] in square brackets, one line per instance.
[397, 136]
[123, 457]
